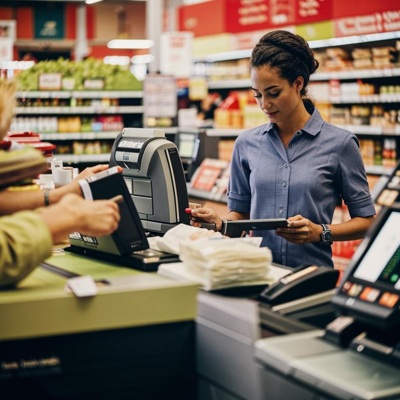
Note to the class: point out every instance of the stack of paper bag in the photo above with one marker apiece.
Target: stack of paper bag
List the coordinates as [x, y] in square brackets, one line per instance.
[226, 262]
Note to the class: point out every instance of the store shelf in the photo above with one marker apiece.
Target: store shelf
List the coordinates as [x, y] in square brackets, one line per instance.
[83, 94]
[370, 99]
[223, 132]
[371, 130]
[314, 44]
[201, 194]
[378, 170]
[319, 76]
[229, 84]
[80, 110]
[356, 74]
[79, 136]
[49, 112]
[356, 129]
[369, 95]
[83, 158]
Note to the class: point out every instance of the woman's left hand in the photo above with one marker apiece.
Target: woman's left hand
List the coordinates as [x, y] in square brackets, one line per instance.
[300, 230]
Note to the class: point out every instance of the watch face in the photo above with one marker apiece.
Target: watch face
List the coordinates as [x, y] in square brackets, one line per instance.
[328, 235]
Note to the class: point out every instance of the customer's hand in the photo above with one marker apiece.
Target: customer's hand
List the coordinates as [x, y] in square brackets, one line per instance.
[73, 186]
[96, 218]
[74, 214]
[89, 171]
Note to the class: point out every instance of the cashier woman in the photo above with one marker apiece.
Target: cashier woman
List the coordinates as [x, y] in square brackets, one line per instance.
[297, 166]
[27, 237]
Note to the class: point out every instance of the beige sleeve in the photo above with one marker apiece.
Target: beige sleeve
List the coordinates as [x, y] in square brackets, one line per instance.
[25, 241]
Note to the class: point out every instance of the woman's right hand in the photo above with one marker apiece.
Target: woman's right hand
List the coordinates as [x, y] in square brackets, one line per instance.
[205, 214]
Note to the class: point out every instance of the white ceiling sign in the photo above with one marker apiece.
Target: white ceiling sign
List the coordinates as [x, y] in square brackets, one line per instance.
[176, 54]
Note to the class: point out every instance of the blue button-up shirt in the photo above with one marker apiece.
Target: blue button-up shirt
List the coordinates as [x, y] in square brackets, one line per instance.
[321, 166]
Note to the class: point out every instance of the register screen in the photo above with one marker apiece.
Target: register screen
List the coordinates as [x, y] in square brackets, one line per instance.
[187, 145]
[381, 263]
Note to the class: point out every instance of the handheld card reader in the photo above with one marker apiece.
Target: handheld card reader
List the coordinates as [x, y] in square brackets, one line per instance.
[238, 227]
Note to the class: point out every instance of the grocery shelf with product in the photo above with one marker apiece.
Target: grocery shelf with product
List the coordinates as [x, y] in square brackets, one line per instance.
[81, 113]
[357, 86]
[83, 124]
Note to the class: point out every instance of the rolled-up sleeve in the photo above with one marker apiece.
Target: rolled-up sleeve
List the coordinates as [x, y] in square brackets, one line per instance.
[239, 192]
[355, 188]
[25, 241]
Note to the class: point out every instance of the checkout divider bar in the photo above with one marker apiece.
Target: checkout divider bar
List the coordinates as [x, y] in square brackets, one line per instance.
[59, 271]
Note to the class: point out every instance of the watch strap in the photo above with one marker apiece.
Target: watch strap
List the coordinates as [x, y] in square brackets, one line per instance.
[326, 232]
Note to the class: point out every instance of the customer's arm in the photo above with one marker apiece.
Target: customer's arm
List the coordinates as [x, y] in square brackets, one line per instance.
[26, 237]
[12, 201]
[25, 241]
[74, 214]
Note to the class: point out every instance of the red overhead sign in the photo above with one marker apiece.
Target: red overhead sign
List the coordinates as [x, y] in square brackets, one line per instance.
[238, 16]
[203, 18]
[377, 22]
[343, 8]
[313, 11]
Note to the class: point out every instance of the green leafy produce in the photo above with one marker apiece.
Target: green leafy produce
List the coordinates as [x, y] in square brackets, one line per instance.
[115, 77]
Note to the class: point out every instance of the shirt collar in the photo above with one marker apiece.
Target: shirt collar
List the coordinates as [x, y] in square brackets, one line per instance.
[312, 127]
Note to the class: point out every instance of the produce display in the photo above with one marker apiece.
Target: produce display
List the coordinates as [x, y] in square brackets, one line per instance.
[76, 74]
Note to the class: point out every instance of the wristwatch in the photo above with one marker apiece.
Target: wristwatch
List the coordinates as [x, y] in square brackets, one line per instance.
[326, 235]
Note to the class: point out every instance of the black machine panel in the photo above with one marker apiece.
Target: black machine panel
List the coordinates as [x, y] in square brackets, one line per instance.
[370, 289]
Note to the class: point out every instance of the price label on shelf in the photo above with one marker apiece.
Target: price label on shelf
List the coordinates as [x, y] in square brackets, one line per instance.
[50, 81]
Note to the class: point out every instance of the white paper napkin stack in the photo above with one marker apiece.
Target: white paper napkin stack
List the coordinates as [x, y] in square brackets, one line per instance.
[226, 262]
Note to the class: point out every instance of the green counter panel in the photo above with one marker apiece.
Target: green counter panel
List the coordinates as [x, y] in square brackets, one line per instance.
[40, 306]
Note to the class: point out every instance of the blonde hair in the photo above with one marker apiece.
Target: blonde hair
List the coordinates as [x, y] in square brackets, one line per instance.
[7, 105]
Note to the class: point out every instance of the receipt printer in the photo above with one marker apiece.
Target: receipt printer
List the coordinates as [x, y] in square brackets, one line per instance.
[154, 175]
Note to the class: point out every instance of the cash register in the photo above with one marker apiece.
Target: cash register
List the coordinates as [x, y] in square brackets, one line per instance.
[357, 355]
[154, 175]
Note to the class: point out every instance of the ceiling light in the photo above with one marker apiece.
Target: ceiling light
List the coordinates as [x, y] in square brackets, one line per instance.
[130, 44]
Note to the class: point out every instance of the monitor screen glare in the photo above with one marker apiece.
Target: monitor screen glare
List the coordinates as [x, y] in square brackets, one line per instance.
[187, 143]
[381, 263]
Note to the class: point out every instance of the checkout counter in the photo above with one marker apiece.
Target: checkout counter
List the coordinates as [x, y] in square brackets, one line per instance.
[229, 323]
[81, 327]
[357, 355]
[135, 338]
[145, 336]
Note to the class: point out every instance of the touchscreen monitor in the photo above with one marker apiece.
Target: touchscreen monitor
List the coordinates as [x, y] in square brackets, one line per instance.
[188, 145]
[370, 289]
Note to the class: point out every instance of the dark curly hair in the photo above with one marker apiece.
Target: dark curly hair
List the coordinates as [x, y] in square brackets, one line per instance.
[290, 55]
